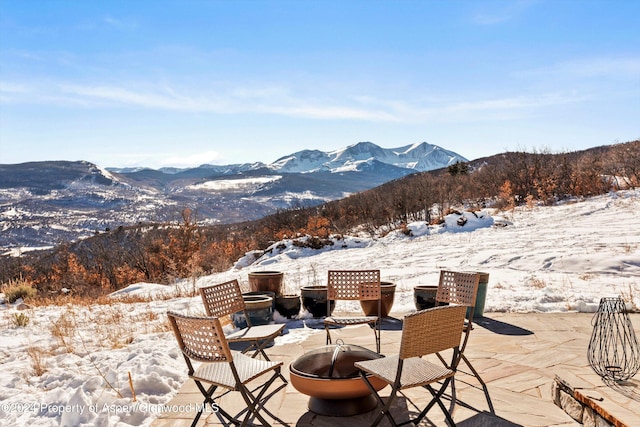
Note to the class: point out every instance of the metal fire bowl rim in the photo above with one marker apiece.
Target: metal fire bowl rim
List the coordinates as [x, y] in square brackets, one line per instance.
[327, 349]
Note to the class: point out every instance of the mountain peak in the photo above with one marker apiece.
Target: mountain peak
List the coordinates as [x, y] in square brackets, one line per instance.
[419, 157]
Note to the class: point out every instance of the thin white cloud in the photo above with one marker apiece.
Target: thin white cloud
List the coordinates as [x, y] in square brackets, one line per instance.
[237, 100]
[493, 13]
[460, 110]
[278, 100]
[10, 87]
[13, 92]
[120, 24]
[329, 112]
[520, 102]
[108, 23]
[122, 96]
[599, 67]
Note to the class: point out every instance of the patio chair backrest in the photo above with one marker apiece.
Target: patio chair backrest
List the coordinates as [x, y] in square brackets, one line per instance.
[200, 338]
[431, 331]
[222, 299]
[457, 287]
[353, 285]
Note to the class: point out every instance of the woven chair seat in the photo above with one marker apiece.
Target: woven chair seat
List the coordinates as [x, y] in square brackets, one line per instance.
[221, 374]
[415, 371]
[259, 332]
[350, 320]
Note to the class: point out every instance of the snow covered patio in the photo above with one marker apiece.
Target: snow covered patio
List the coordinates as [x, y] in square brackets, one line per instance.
[522, 357]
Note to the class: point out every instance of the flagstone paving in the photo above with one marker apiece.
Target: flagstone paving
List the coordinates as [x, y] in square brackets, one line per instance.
[518, 356]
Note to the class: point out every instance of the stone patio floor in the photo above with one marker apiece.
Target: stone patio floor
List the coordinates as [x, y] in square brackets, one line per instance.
[517, 355]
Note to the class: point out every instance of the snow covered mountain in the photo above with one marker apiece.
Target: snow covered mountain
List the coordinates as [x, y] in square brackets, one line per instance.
[417, 157]
[47, 203]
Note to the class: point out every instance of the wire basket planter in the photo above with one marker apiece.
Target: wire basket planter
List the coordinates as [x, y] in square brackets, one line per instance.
[613, 352]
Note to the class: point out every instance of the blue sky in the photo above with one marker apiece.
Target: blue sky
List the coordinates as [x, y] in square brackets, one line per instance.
[182, 83]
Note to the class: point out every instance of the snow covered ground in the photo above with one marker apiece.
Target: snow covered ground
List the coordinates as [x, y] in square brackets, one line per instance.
[70, 366]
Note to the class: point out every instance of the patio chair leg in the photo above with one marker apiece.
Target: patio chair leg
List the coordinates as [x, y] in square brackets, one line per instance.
[328, 340]
[207, 393]
[262, 408]
[480, 380]
[284, 380]
[254, 403]
[475, 373]
[222, 413]
[376, 333]
[386, 411]
[436, 399]
[260, 349]
[278, 370]
[197, 418]
[385, 406]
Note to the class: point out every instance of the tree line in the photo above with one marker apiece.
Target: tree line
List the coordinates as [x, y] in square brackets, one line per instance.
[164, 252]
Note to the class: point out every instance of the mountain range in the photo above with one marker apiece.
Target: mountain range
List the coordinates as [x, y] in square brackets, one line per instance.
[47, 203]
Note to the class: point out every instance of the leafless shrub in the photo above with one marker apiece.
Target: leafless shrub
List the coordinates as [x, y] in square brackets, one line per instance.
[64, 329]
[20, 320]
[629, 295]
[535, 282]
[38, 360]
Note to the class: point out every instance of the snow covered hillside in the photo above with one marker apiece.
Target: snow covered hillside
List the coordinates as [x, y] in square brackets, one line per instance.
[561, 258]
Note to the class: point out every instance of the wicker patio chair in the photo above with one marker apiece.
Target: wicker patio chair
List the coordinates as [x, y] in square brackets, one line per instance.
[423, 333]
[461, 288]
[201, 339]
[223, 299]
[358, 285]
